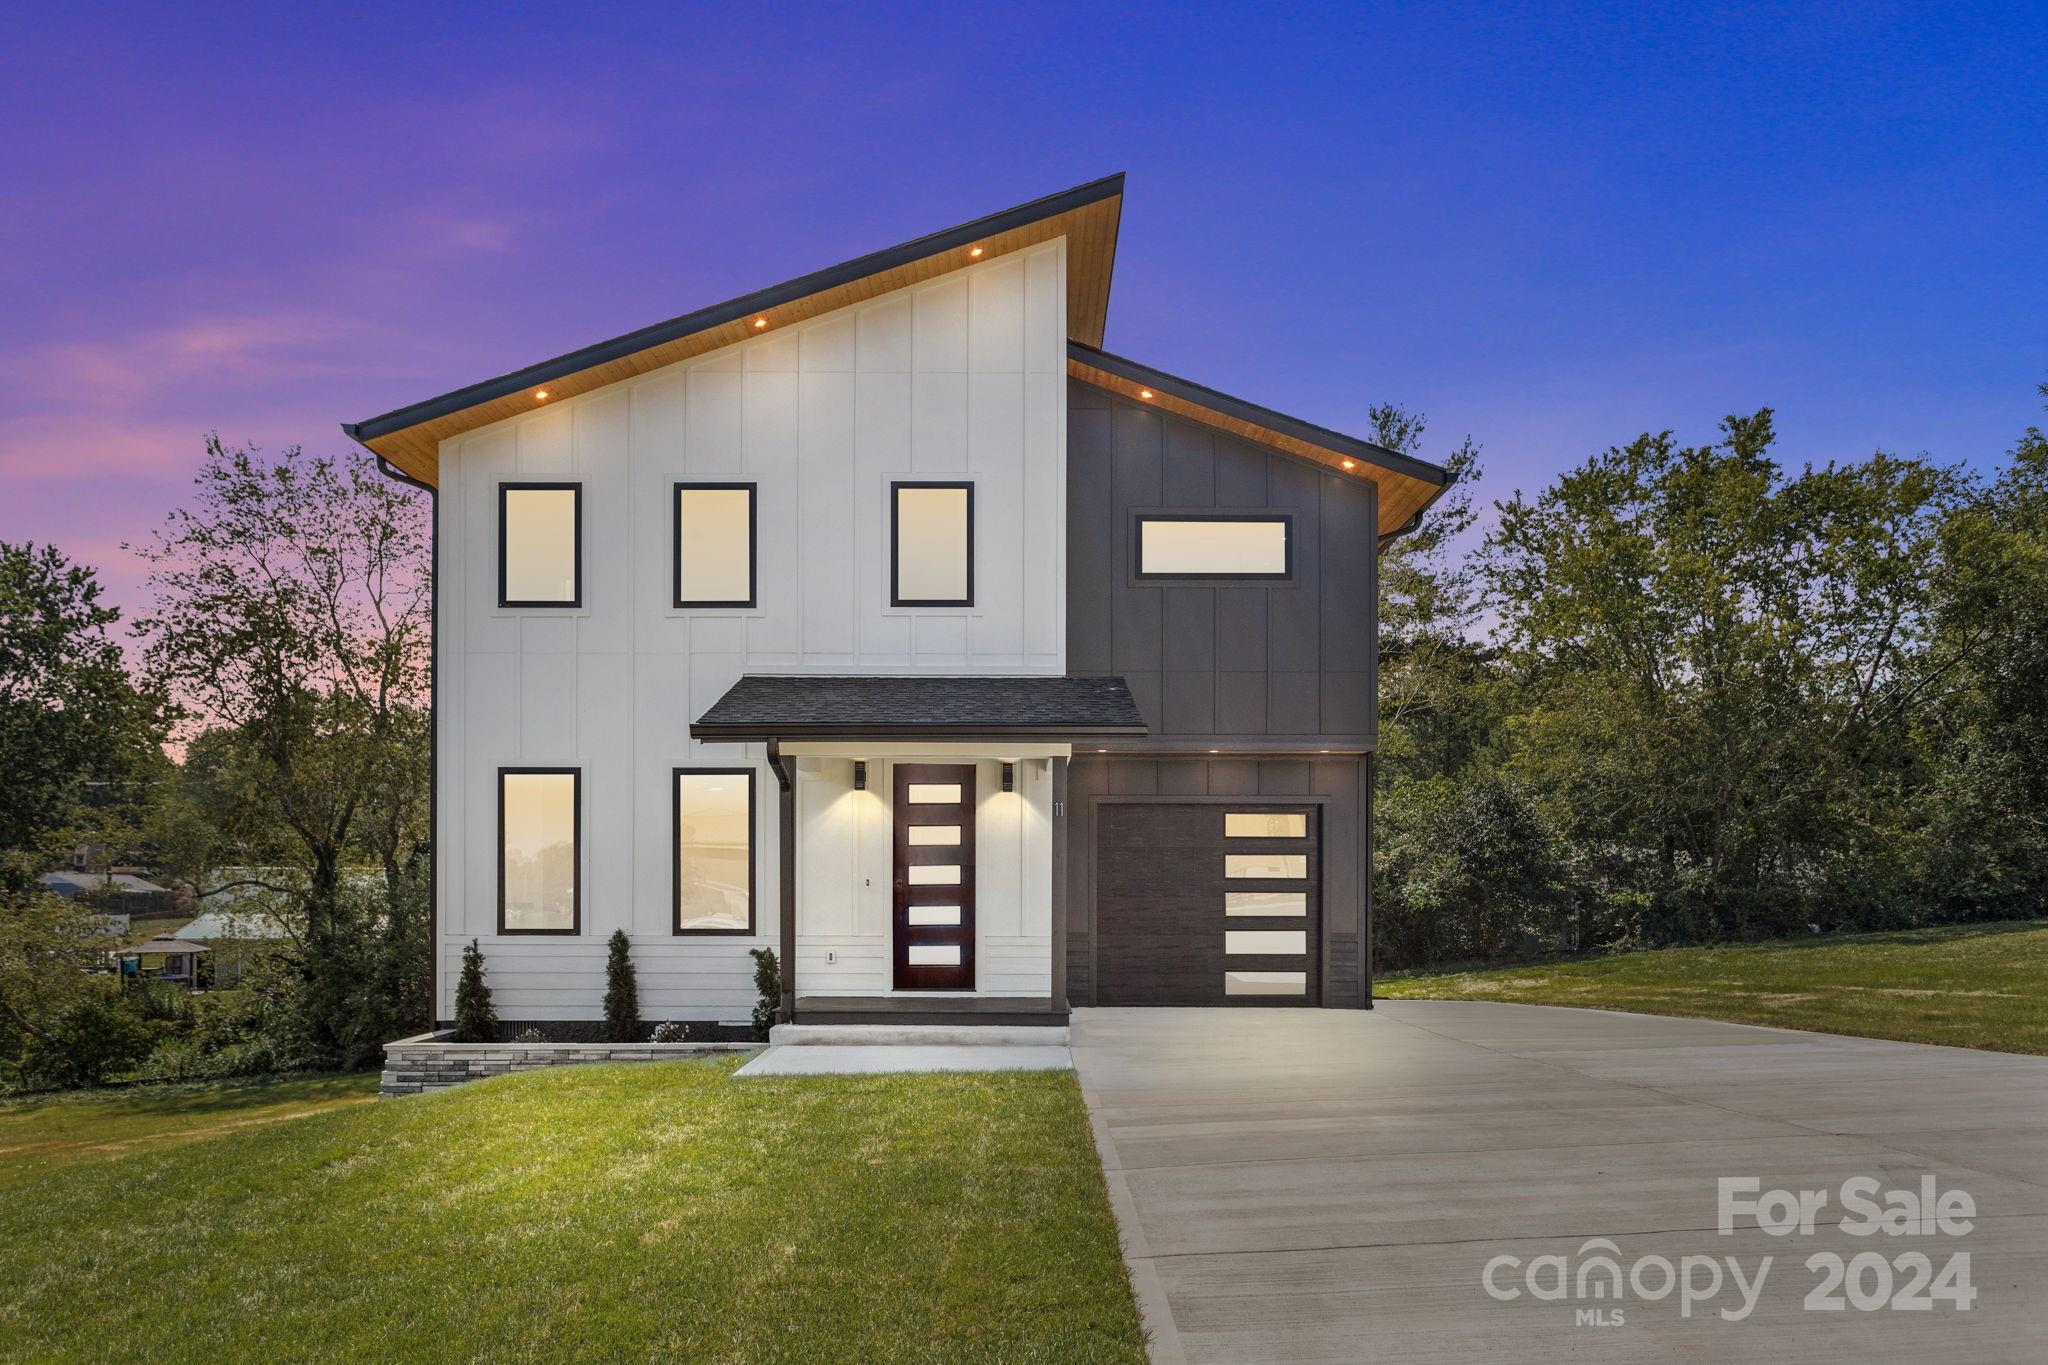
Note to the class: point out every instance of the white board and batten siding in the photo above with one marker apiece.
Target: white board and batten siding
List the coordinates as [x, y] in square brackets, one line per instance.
[963, 376]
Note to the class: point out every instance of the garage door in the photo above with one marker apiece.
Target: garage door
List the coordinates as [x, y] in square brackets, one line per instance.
[1207, 904]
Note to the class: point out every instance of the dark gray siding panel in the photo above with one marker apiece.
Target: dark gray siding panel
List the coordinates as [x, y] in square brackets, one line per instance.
[1288, 662]
[1338, 784]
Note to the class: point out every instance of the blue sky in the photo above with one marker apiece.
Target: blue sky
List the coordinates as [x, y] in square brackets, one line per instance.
[1550, 226]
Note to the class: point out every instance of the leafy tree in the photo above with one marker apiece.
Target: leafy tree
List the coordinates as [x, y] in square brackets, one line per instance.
[291, 617]
[476, 1018]
[71, 722]
[95, 1037]
[621, 992]
[1724, 663]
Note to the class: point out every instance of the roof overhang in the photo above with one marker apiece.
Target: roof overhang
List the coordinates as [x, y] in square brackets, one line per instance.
[1406, 485]
[409, 438]
[1047, 707]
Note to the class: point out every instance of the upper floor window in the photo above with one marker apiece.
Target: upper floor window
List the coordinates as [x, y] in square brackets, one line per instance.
[1216, 545]
[540, 812]
[931, 544]
[540, 544]
[715, 545]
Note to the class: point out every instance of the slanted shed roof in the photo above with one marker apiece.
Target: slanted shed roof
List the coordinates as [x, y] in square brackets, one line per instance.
[815, 706]
[1087, 216]
[1406, 484]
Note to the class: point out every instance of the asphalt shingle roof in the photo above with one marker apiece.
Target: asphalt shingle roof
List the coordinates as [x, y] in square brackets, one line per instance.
[790, 705]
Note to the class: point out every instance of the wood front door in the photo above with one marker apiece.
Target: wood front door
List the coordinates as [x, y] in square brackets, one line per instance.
[934, 899]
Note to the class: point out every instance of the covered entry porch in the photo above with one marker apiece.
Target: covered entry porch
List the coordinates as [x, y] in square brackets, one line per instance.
[922, 838]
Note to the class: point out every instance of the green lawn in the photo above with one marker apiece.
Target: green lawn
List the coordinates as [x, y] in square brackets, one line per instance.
[631, 1211]
[1979, 985]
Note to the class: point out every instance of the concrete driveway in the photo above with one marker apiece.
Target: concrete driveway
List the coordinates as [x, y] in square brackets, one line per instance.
[1328, 1185]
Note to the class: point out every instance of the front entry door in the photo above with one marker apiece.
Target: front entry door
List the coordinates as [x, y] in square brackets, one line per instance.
[934, 840]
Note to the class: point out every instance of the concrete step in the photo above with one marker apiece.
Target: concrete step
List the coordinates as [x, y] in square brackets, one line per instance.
[915, 1035]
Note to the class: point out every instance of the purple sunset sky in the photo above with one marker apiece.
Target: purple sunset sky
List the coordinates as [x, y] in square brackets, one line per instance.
[1551, 227]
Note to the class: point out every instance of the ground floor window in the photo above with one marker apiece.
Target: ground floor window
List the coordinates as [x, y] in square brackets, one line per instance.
[714, 850]
[540, 815]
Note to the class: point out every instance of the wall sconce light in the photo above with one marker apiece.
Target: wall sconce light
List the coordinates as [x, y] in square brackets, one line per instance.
[1009, 777]
[860, 775]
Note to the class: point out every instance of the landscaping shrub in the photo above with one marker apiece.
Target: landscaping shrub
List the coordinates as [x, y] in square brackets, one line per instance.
[669, 1031]
[529, 1035]
[767, 981]
[97, 1037]
[621, 992]
[476, 1018]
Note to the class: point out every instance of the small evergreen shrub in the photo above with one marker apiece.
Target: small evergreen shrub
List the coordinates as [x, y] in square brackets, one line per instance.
[621, 992]
[476, 1018]
[669, 1031]
[768, 982]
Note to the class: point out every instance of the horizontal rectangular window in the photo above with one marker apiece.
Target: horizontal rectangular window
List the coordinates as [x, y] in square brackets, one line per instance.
[1265, 825]
[933, 954]
[1263, 903]
[1265, 983]
[931, 544]
[714, 832]
[934, 794]
[540, 544]
[940, 915]
[539, 810]
[935, 874]
[1265, 941]
[1282, 865]
[933, 836]
[1221, 545]
[715, 542]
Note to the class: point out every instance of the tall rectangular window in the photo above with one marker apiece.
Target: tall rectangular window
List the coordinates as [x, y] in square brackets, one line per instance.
[715, 545]
[540, 814]
[931, 544]
[540, 544]
[1216, 545]
[714, 850]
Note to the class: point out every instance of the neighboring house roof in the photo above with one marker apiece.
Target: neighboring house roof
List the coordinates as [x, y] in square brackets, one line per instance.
[793, 706]
[1087, 216]
[70, 884]
[215, 925]
[1407, 485]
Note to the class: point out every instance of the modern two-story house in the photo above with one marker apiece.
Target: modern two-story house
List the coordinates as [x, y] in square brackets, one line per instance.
[885, 619]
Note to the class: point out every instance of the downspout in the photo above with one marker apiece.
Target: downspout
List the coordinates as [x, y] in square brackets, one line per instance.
[392, 471]
[786, 891]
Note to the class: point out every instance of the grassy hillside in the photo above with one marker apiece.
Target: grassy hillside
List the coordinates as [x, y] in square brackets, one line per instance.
[657, 1210]
[1980, 985]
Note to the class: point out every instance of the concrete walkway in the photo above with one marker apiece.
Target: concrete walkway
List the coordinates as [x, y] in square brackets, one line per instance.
[1324, 1185]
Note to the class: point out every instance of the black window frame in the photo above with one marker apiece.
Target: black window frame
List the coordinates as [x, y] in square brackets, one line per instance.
[675, 511]
[545, 486]
[896, 486]
[1142, 519]
[675, 861]
[575, 853]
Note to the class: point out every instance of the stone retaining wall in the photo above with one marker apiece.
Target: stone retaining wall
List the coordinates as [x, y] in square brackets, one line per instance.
[430, 1062]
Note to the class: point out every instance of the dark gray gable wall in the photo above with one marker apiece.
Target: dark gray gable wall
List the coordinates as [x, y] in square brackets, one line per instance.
[1268, 663]
[1268, 674]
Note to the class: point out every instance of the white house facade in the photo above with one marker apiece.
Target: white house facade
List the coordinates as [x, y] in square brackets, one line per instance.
[759, 629]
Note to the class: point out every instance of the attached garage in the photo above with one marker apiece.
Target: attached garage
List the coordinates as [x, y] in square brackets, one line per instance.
[1208, 903]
